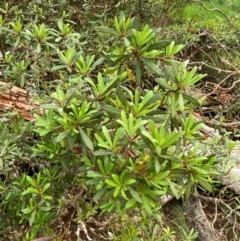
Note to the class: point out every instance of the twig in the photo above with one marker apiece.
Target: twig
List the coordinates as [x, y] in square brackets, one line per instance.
[47, 238]
[212, 67]
[213, 9]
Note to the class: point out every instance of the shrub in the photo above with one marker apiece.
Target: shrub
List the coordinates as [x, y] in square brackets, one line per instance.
[118, 127]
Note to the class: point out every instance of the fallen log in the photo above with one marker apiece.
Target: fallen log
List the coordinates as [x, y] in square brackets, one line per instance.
[15, 99]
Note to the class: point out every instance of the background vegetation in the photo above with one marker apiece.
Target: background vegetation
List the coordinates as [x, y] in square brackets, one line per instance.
[119, 84]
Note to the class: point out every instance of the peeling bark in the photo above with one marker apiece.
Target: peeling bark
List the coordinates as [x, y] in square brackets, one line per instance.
[16, 99]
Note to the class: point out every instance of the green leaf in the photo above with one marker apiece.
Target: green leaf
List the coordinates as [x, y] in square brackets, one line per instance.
[154, 68]
[159, 45]
[101, 142]
[46, 186]
[116, 179]
[191, 99]
[99, 194]
[47, 197]
[129, 181]
[157, 166]
[116, 191]
[118, 135]
[138, 72]
[32, 217]
[130, 203]
[62, 136]
[86, 139]
[188, 188]
[123, 193]
[49, 107]
[181, 102]
[135, 195]
[149, 136]
[125, 122]
[107, 135]
[169, 49]
[102, 153]
[100, 166]
[146, 204]
[40, 121]
[110, 86]
[109, 31]
[27, 210]
[111, 183]
[58, 67]
[30, 190]
[31, 181]
[121, 96]
[112, 110]
[205, 184]
[171, 139]
[97, 62]
[94, 175]
[175, 189]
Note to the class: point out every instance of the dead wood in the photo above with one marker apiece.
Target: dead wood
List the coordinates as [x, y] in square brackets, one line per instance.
[198, 219]
[13, 98]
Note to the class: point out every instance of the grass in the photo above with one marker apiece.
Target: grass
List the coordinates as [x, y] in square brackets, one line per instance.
[221, 9]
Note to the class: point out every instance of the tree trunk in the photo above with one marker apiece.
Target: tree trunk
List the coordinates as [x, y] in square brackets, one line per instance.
[198, 219]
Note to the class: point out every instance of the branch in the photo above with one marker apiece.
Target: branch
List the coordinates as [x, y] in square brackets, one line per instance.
[212, 9]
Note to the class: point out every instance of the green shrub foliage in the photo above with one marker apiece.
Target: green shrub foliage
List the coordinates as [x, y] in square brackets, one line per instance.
[116, 118]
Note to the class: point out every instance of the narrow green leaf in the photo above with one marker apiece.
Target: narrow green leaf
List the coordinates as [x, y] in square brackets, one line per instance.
[188, 187]
[102, 153]
[129, 181]
[117, 136]
[107, 135]
[123, 194]
[100, 166]
[130, 203]
[46, 187]
[112, 110]
[191, 99]
[135, 195]
[94, 174]
[138, 72]
[121, 96]
[157, 166]
[154, 68]
[101, 142]
[116, 179]
[171, 139]
[62, 136]
[58, 67]
[111, 183]
[159, 45]
[146, 204]
[32, 217]
[30, 190]
[181, 102]
[86, 139]
[205, 184]
[116, 191]
[175, 189]
[110, 86]
[109, 31]
[31, 181]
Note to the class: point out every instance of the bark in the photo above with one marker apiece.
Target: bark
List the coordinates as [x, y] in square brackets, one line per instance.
[198, 219]
[16, 99]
